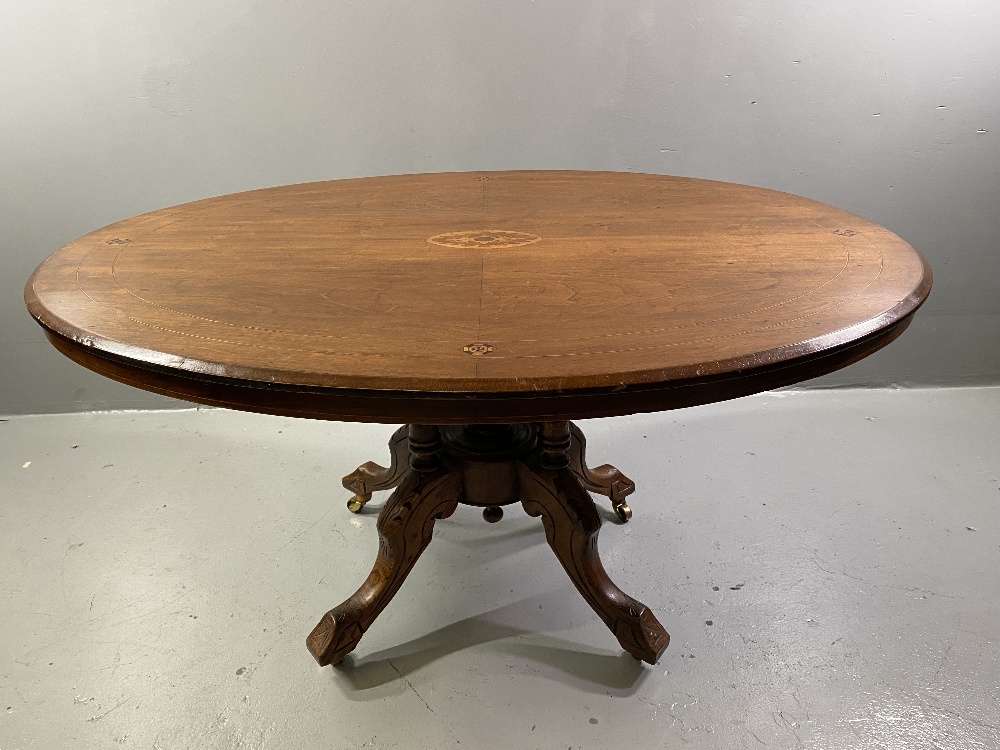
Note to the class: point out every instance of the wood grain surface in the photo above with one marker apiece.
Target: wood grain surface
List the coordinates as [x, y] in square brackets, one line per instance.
[462, 297]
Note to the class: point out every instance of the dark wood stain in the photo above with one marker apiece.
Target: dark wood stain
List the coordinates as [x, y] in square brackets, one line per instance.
[542, 467]
[327, 300]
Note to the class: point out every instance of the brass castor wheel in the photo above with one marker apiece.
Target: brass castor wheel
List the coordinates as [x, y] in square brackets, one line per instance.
[356, 503]
[493, 513]
[623, 511]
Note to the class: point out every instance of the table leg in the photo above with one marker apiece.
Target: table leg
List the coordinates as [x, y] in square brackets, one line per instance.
[405, 526]
[604, 480]
[370, 477]
[572, 523]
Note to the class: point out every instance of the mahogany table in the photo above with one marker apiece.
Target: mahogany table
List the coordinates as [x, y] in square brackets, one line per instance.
[484, 311]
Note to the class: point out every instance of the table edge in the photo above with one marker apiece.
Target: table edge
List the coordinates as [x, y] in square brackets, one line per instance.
[449, 407]
[145, 360]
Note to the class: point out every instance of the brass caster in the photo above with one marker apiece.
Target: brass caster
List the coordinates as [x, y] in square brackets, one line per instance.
[623, 511]
[356, 503]
[493, 513]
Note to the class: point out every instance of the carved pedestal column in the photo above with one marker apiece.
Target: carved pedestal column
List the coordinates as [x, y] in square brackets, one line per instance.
[434, 469]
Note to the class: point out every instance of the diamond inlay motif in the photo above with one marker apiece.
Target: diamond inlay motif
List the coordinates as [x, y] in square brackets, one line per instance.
[484, 238]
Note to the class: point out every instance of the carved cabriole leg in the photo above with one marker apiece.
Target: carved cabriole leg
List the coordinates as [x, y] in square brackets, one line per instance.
[572, 524]
[370, 477]
[604, 480]
[405, 525]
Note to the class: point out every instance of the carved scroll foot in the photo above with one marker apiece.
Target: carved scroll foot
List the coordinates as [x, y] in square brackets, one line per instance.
[604, 480]
[370, 477]
[405, 526]
[571, 524]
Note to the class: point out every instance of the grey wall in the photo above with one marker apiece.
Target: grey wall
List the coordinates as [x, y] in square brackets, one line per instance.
[888, 109]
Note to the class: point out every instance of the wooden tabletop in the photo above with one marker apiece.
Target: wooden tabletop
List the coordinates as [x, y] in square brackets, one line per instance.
[465, 297]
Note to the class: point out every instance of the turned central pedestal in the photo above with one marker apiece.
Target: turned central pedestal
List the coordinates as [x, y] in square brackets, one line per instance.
[542, 466]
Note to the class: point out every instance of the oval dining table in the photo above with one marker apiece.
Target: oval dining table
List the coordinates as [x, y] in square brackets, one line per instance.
[484, 312]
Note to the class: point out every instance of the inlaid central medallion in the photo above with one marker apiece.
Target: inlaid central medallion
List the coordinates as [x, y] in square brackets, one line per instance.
[484, 238]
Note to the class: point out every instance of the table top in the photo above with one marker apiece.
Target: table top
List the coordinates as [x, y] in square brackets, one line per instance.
[479, 297]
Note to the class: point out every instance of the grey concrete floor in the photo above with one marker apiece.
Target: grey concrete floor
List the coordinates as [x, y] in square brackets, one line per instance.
[828, 565]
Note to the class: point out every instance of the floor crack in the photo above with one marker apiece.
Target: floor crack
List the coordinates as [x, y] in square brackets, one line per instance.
[891, 587]
[410, 686]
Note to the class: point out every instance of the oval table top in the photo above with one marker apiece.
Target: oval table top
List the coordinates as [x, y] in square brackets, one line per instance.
[479, 297]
